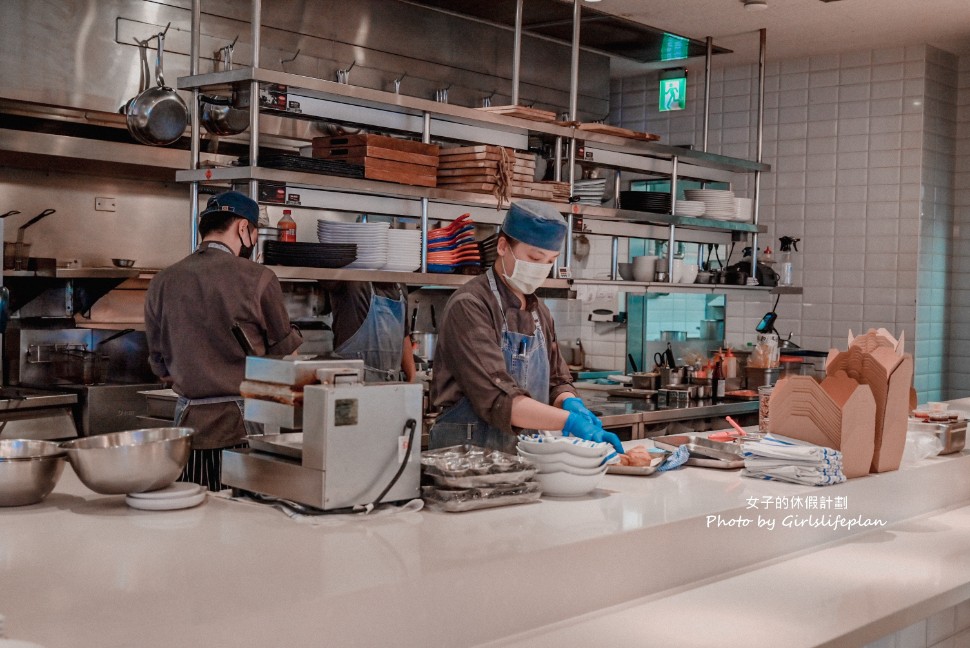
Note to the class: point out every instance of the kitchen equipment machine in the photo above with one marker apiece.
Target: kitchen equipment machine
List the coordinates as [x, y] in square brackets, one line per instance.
[331, 440]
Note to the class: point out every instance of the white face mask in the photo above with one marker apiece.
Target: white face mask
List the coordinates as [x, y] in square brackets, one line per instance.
[526, 276]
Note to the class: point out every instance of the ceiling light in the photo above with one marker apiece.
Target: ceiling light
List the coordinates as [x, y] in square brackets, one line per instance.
[755, 5]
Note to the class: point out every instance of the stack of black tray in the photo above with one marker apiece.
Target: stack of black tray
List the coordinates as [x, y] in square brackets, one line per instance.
[308, 165]
[309, 255]
[651, 201]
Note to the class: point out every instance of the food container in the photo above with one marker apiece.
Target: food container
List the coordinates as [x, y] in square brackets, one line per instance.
[673, 336]
[646, 380]
[471, 499]
[134, 461]
[760, 376]
[952, 434]
[29, 470]
[468, 466]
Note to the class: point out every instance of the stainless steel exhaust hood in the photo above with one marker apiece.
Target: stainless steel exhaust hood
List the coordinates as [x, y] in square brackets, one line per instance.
[600, 31]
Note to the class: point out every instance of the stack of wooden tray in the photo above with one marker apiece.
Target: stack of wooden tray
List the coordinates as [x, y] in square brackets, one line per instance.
[478, 169]
[384, 158]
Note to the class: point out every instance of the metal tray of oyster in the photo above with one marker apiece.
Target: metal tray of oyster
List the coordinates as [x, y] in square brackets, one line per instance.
[704, 452]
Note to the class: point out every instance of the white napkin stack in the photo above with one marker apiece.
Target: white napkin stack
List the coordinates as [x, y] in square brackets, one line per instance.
[782, 459]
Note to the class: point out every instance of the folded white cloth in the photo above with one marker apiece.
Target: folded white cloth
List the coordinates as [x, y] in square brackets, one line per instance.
[790, 460]
[796, 475]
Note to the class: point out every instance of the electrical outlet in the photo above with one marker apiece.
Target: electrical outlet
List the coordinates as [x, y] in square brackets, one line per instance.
[104, 204]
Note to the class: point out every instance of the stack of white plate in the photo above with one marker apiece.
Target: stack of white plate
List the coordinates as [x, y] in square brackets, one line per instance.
[745, 209]
[568, 467]
[179, 495]
[718, 203]
[370, 239]
[403, 250]
[590, 191]
[690, 208]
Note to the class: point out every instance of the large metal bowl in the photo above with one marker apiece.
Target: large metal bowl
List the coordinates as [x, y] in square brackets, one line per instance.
[28, 470]
[134, 461]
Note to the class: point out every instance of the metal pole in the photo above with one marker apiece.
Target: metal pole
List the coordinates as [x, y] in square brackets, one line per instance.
[574, 62]
[707, 88]
[425, 138]
[615, 259]
[517, 53]
[557, 171]
[672, 242]
[569, 241]
[257, 17]
[195, 145]
[759, 157]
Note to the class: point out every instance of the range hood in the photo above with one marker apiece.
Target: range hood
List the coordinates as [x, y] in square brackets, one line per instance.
[599, 31]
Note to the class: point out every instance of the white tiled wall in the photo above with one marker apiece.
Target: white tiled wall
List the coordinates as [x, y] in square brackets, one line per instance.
[959, 289]
[858, 144]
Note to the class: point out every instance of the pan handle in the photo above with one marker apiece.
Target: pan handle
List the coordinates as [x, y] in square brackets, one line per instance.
[159, 77]
[43, 214]
[414, 318]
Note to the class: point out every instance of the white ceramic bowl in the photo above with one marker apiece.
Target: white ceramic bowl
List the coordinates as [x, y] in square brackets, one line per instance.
[562, 458]
[558, 466]
[600, 450]
[564, 484]
[644, 267]
[689, 273]
[625, 270]
[678, 274]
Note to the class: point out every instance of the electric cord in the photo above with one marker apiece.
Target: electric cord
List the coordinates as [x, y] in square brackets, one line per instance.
[305, 509]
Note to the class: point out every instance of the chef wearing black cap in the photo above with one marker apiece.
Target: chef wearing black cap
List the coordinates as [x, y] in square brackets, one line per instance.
[190, 311]
[497, 366]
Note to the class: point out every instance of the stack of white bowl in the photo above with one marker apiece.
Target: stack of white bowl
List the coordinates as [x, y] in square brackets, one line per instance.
[403, 250]
[690, 208]
[718, 203]
[568, 467]
[744, 209]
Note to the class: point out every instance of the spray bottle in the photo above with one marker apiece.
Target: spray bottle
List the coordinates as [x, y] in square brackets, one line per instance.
[785, 252]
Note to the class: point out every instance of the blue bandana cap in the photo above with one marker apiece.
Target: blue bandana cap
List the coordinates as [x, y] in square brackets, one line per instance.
[535, 223]
[232, 201]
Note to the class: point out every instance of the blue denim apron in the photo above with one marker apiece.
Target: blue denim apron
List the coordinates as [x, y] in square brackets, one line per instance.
[378, 341]
[526, 361]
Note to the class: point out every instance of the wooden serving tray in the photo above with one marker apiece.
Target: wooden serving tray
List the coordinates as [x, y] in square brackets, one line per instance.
[616, 131]
[360, 155]
[382, 141]
[522, 112]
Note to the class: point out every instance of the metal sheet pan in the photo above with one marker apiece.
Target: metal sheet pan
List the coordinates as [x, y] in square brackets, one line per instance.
[289, 444]
[700, 447]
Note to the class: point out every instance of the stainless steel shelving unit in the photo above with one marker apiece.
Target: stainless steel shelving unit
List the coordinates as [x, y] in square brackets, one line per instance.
[414, 115]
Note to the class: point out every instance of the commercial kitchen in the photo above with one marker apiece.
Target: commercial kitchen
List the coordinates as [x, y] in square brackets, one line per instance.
[763, 204]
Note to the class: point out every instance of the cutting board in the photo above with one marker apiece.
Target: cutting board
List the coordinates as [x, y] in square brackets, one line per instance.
[616, 131]
[382, 141]
[522, 112]
[360, 154]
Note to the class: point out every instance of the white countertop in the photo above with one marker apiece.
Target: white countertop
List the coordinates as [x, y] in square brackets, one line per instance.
[82, 569]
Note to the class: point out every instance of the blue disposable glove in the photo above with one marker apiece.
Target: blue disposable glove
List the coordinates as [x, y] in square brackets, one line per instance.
[579, 426]
[576, 406]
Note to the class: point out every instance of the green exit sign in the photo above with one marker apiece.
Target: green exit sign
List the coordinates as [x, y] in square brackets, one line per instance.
[673, 94]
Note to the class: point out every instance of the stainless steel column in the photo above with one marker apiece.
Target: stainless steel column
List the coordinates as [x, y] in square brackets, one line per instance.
[763, 34]
[573, 110]
[195, 145]
[425, 138]
[671, 242]
[257, 18]
[707, 88]
[517, 53]
[615, 258]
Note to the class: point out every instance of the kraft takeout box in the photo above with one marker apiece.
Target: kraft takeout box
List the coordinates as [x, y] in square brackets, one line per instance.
[837, 413]
[878, 359]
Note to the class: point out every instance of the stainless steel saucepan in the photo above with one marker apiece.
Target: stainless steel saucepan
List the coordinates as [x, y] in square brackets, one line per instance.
[224, 115]
[157, 116]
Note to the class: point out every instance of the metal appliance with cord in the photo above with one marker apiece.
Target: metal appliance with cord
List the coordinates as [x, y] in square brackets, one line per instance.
[333, 441]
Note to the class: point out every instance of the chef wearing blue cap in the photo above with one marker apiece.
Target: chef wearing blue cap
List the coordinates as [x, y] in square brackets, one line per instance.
[497, 367]
[190, 311]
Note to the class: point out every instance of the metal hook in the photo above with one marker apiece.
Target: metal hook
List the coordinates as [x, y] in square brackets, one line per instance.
[487, 100]
[165, 32]
[397, 83]
[343, 76]
[293, 58]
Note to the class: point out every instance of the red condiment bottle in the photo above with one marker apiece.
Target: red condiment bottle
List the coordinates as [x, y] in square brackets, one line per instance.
[287, 227]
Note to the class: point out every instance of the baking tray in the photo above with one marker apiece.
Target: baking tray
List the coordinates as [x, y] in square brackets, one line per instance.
[701, 448]
[715, 463]
[289, 444]
[631, 470]
[629, 392]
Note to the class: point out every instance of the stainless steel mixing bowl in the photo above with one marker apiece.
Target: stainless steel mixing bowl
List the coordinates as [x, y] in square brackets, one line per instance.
[28, 470]
[134, 461]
